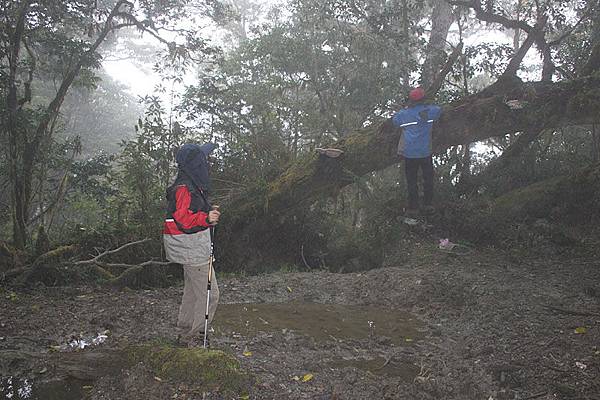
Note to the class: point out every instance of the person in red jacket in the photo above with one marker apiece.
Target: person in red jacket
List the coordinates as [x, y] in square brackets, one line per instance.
[186, 236]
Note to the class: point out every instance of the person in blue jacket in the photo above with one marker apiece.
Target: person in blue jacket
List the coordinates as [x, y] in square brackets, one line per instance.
[416, 121]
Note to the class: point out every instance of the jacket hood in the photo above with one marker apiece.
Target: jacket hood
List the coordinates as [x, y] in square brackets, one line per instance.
[192, 161]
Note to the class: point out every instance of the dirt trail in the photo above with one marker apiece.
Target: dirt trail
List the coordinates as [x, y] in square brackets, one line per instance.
[478, 326]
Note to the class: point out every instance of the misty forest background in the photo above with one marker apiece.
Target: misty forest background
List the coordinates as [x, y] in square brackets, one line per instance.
[84, 163]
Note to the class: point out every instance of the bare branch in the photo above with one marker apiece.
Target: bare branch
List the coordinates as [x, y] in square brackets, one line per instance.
[133, 21]
[127, 266]
[483, 15]
[441, 76]
[109, 252]
[569, 31]
[536, 31]
[515, 62]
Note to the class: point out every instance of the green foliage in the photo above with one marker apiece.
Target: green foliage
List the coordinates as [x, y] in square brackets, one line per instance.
[146, 165]
[299, 83]
[59, 42]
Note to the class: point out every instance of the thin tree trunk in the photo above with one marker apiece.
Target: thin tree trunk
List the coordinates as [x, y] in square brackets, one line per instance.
[406, 46]
[441, 19]
[19, 196]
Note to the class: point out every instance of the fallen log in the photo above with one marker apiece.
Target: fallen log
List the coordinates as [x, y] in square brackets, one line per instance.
[56, 267]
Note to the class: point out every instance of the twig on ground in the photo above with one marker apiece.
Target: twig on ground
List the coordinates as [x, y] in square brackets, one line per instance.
[387, 361]
[535, 396]
[556, 369]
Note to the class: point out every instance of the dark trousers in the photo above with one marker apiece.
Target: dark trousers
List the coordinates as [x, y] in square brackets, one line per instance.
[411, 169]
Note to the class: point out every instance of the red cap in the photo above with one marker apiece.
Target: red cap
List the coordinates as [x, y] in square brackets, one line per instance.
[416, 94]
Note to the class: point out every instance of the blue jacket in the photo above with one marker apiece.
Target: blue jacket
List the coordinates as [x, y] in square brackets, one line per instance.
[416, 123]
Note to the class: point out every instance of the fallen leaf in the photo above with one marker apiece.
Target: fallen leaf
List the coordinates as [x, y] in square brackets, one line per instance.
[245, 397]
[408, 339]
[289, 289]
[87, 387]
[580, 330]
[296, 378]
[156, 378]
[55, 348]
[247, 353]
[307, 377]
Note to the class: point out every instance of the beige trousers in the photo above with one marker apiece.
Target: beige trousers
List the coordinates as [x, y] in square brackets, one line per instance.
[193, 304]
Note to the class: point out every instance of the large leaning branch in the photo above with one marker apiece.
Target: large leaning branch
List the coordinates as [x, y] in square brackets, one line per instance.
[511, 107]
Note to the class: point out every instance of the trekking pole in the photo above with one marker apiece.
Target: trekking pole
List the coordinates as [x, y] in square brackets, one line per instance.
[211, 258]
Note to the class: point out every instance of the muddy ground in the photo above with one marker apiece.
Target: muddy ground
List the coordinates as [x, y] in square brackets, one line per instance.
[431, 325]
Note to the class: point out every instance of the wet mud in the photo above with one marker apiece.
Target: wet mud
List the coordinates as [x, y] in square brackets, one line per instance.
[486, 325]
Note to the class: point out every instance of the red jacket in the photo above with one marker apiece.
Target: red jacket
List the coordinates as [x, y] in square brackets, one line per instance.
[186, 218]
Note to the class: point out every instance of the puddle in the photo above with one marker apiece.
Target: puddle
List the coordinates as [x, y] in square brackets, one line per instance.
[323, 322]
[12, 388]
[380, 366]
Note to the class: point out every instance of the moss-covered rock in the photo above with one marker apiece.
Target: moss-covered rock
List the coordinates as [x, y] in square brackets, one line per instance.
[213, 370]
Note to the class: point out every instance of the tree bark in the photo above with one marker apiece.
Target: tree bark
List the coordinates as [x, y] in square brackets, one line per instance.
[12, 103]
[441, 19]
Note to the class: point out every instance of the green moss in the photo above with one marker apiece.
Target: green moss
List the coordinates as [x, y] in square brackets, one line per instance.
[103, 274]
[56, 255]
[532, 201]
[212, 370]
[563, 194]
[301, 170]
